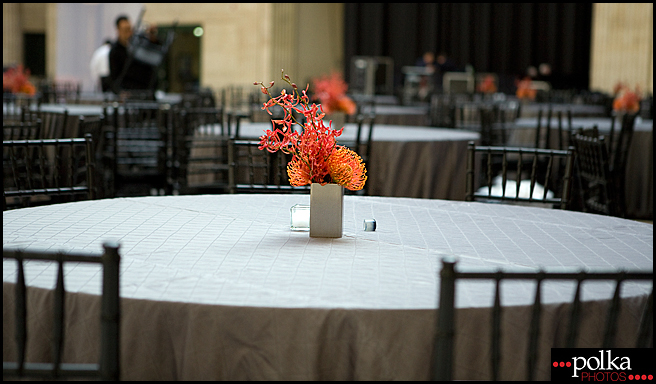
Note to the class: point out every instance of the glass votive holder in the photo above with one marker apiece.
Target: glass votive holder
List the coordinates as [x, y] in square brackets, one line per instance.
[369, 225]
[300, 217]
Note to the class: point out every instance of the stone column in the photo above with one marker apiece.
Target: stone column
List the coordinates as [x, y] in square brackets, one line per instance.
[622, 46]
[12, 34]
[284, 54]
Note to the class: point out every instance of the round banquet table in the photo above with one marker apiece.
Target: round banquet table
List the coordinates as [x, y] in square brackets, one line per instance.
[217, 287]
[388, 114]
[406, 161]
[532, 109]
[76, 109]
[639, 186]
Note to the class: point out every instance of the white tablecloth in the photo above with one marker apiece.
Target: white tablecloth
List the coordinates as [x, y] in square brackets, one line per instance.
[531, 109]
[218, 287]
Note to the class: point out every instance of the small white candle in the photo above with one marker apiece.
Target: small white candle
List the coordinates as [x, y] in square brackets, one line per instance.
[300, 217]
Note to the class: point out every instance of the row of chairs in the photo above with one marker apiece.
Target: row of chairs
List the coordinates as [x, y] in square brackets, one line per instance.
[156, 146]
[525, 175]
[144, 155]
[108, 367]
[595, 177]
[37, 172]
[130, 152]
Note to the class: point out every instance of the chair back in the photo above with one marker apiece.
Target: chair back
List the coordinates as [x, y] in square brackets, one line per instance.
[37, 172]
[143, 131]
[239, 105]
[258, 171]
[445, 335]
[203, 98]
[19, 108]
[98, 129]
[363, 142]
[539, 129]
[595, 180]
[60, 92]
[545, 166]
[55, 125]
[493, 125]
[107, 367]
[563, 129]
[619, 150]
[30, 130]
[442, 111]
[201, 150]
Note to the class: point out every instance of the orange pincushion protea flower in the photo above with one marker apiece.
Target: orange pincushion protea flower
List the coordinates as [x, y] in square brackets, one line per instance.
[298, 172]
[316, 157]
[347, 169]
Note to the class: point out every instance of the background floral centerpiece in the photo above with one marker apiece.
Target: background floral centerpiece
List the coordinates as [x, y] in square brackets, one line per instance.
[525, 91]
[16, 81]
[330, 91]
[626, 100]
[487, 85]
[316, 156]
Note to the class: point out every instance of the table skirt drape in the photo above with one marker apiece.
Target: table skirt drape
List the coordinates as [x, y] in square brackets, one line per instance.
[185, 341]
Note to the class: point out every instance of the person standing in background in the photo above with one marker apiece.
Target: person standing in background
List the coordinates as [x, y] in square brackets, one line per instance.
[426, 81]
[137, 75]
[100, 66]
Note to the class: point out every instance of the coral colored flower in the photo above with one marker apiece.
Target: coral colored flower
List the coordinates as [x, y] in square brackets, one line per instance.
[316, 156]
[15, 80]
[347, 105]
[298, 172]
[347, 169]
[331, 93]
[525, 90]
[627, 100]
[487, 85]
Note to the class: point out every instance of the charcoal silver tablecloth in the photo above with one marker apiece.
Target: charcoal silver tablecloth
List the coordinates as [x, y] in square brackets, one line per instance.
[218, 287]
[406, 161]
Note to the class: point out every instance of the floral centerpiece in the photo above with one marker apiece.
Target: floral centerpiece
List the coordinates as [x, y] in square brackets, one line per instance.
[625, 99]
[330, 91]
[16, 81]
[316, 156]
[525, 91]
[487, 85]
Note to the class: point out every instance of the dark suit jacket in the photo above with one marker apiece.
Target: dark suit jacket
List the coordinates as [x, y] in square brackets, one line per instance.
[137, 76]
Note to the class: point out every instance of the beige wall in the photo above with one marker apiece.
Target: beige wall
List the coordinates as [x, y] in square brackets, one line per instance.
[33, 17]
[19, 18]
[234, 47]
[12, 35]
[249, 42]
[622, 46]
[51, 40]
[320, 40]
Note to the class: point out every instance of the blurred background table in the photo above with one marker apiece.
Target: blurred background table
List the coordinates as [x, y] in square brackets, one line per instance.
[217, 287]
[532, 109]
[406, 161]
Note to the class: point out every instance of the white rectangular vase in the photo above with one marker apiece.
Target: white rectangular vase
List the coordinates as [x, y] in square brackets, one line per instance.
[326, 210]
